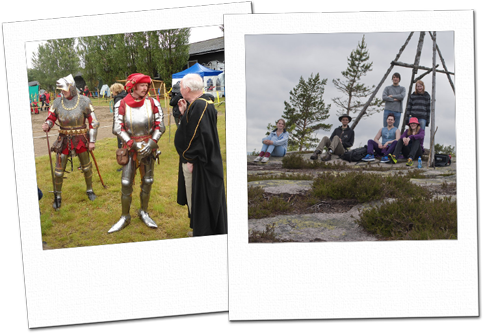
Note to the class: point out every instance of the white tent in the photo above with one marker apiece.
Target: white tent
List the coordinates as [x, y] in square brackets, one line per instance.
[105, 91]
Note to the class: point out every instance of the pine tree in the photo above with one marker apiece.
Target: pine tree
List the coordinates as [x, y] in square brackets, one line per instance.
[305, 112]
[354, 91]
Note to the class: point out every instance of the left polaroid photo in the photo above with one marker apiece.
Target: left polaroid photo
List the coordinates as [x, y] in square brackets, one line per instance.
[123, 140]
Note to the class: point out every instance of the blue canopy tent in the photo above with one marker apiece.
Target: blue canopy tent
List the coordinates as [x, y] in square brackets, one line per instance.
[208, 75]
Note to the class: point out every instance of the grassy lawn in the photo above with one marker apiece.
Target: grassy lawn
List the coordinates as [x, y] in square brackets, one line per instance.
[81, 222]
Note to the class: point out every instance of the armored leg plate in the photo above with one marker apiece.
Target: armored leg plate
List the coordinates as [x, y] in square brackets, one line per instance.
[121, 224]
[147, 219]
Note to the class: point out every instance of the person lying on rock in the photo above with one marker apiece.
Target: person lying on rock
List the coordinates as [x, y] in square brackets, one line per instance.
[341, 140]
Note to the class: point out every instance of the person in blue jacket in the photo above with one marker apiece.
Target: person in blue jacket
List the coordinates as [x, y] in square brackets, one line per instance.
[275, 144]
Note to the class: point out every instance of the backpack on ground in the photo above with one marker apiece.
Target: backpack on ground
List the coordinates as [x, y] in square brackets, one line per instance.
[354, 155]
[441, 160]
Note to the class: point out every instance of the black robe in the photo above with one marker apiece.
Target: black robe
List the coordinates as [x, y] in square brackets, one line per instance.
[196, 141]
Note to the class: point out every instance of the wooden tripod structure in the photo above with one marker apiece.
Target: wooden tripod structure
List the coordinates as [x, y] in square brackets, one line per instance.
[415, 68]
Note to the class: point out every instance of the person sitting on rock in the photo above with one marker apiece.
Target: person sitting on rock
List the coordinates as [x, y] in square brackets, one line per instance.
[275, 144]
[341, 139]
[389, 135]
[410, 144]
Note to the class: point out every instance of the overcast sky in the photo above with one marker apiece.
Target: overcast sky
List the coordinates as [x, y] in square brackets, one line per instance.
[275, 63]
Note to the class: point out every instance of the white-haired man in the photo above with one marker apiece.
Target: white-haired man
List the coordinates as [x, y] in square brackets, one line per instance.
[200, 181]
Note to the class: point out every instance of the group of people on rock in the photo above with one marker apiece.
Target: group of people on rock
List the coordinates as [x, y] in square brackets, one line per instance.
[138, 125]
[388, 143]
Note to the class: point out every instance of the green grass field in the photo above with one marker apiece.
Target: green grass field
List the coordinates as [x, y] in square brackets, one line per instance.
[81, 222]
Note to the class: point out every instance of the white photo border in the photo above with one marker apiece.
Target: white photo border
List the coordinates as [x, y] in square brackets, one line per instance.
[109, 282]
[333, 280]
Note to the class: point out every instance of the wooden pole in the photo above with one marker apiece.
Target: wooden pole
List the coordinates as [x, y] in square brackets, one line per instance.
[415, 71]
[433, 102]
[442, 61]
[363, 111]
[402, 64]
[424, 74]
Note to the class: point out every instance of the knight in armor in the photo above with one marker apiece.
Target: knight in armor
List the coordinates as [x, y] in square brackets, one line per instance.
[138, 122]
[71, 110]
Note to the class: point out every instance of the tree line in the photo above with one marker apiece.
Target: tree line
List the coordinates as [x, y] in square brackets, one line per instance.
[306, 110]
[109, 58]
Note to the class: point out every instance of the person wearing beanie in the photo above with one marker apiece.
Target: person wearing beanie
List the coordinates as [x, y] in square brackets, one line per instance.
[410, 144]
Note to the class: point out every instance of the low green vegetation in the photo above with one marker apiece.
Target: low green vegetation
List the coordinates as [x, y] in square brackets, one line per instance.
[365, 187]
[412, 219]
[415, 214]
[297, 161]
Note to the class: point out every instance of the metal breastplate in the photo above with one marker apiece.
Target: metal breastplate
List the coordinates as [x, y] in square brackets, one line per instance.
[71, 115]
[139, 121]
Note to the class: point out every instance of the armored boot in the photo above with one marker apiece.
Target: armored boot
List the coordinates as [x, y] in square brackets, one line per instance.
[147, 181]
[127, 179]
[57, 201]
[86, 166]
[125, 217]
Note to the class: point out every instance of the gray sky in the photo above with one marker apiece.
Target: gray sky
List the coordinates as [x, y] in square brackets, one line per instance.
[274, 64]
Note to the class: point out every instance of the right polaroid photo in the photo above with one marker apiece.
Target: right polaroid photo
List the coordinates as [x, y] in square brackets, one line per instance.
[341, 143]
[353, 188]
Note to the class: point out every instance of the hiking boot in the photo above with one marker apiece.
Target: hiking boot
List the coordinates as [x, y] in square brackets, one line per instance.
[327, 157]
[315, 155]
[384, 159]
[368, 158]
[392, 158]
[265, 159]
[258, 159]
[409, 162]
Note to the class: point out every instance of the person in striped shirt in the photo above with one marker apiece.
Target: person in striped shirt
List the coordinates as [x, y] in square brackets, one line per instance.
[419, 105]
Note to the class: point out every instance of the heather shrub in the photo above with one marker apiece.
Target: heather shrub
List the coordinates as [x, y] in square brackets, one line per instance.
[412, 219]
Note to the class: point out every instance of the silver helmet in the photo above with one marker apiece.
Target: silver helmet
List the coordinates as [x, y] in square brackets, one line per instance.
[67, 84]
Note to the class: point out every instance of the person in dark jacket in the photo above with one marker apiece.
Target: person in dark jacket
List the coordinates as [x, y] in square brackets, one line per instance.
[341, 139]
[175, 97]
[201, 178]
[419, 105]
